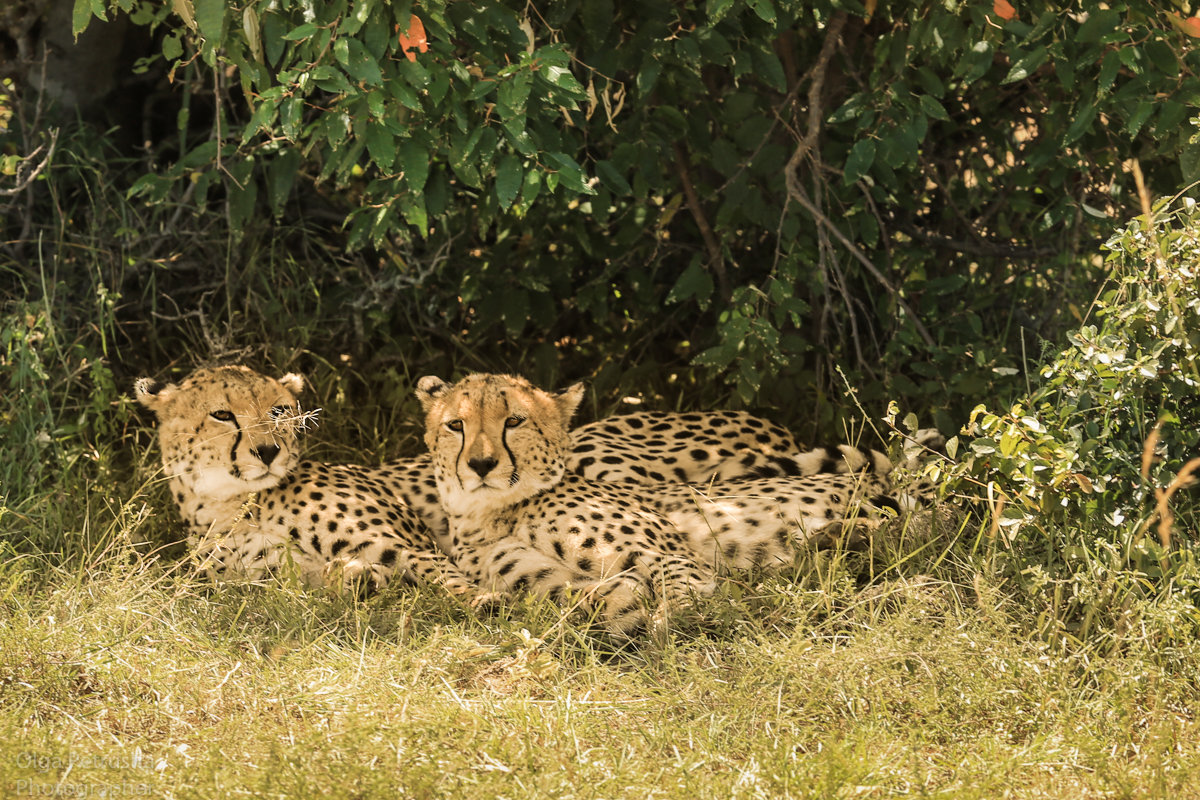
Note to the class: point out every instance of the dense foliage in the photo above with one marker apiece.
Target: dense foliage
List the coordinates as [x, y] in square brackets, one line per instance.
[1117, 413]
[764, 189]
[1092, 474]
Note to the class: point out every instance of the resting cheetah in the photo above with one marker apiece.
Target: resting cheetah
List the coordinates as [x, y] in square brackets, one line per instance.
[229, 440]
[519, 520]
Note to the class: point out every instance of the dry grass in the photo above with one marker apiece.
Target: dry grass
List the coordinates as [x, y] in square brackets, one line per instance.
[137, 681]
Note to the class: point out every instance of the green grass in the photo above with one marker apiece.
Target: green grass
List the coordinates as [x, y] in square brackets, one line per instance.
[129, 676]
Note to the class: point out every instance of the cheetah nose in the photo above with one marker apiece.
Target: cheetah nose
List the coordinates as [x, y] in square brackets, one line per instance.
[265, 453]
[482, 466]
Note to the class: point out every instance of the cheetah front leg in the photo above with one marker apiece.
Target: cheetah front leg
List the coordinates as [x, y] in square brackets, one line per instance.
[511, 567]
[381, 562]
[383, 557]
[248, 555]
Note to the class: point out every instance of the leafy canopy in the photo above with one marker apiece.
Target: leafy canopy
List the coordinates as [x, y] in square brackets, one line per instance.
[766, 188]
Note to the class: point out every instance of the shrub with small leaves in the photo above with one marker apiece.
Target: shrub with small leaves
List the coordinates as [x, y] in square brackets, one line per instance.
[1117, 413]
[1088, 476]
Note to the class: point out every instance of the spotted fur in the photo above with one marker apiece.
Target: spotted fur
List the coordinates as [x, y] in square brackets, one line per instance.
[519, 520]
[230, 444]
[229, 439]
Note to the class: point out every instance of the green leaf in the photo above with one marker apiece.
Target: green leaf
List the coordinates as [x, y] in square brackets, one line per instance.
[764, 9]
[242, 192]
[301, 32]
[509, 176]
[569, 173]
[563, 79]
[1100, 24]
[81, 15]
[413, 209]
[291, 115]
[933, 108]
[210, 18]
[1083, 121]
[154, 187]
[1163, 57]
[381, 144]
[281, 176]
[516, 311]
[437, 191]
[272, 36]
[404, 93]
[694, 282]
[1026, 66]
[648, 75]
[1138, 118]
[1108, 70]
[376, 104]
[717, 9]
[361, 65]
[930, 82]
[613, 179]
[1189, 164]
[414, 160]
[852, 108]
[172, 48]
[977, 62]
[264, 115]
[530, 190]
[513, 94]
[770, 69]
[862, 155]
[201, 155]
[598, 18]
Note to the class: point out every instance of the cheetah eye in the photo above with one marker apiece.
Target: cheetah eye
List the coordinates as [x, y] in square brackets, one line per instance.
[222, 415]
[513, 422]
[455, 425]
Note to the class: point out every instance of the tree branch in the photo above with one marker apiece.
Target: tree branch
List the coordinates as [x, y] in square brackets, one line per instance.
[833, 32]
[710, 240]
[26, 176]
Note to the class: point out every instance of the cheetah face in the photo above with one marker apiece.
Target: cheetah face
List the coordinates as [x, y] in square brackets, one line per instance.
[227, 431]
[495, 439]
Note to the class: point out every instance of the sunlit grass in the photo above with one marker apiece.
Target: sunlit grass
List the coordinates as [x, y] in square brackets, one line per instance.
[134, 675]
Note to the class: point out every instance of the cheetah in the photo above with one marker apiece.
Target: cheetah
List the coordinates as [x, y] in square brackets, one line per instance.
[230, 449]
[520, 520]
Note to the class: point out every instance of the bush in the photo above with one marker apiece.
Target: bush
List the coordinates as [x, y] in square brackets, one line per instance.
[760, 189]
[1087, 476]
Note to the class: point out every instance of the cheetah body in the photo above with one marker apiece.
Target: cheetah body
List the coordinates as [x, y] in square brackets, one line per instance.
[518, 520]
[230, 446]
[230, 441]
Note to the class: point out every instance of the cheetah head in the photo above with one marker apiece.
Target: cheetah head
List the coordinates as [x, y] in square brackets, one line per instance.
[226, 431]
[495, 439]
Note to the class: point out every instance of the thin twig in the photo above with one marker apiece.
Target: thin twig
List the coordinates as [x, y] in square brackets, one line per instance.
[800, 197]
[710, 240]
[23, 181]
[833, 33]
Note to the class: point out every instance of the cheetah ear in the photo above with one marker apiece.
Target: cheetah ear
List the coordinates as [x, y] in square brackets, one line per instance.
[568, 400]
[293, 382]
[153, 394]
[429, 389]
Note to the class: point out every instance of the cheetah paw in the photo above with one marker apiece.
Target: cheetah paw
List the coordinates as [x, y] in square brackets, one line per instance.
[486, 601]
[346, 573]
